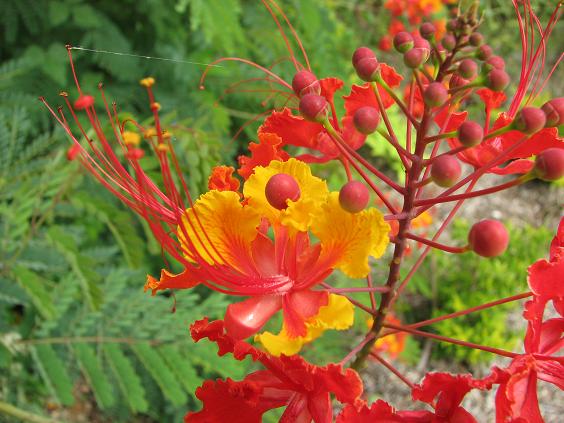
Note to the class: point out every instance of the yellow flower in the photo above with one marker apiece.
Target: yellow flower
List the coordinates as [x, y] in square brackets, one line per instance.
[299, 215]
[348, 239]
[337, 314]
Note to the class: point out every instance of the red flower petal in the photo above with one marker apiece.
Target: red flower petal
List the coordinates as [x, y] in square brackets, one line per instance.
[558, 241]
[186, 279]
[269, 148]
[293, 130]
[298, 307]
[491, 99]
[545, 278]
[329, 86]
[245, 318]
[222, 179]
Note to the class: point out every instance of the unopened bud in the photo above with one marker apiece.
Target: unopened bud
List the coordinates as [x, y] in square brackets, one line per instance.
[457, 81]
[313, 107]
[83, 102]
[305, 82]
[554, 111]
[468, 68]
[449, 42]
[424, 46]
[366, 119]
[435, 94]
[549, 164]
[403, 41]
[484, 52]
[280, 189]
[476, 39]
[365, 64]
[530, 120]
[427, 30]
[497, 80]
[452, 25]
[495, 62]
[445, 171]
[354, 196]
[470, 133]
[414, 58]
[488, 238]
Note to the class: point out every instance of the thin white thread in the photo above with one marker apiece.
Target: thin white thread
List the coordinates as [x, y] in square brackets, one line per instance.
[143, 57]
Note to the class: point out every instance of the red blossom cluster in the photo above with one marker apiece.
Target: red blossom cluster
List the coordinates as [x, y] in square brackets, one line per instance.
[272, 232]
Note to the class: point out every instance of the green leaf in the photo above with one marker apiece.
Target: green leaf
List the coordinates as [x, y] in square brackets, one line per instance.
[54, 373]
[34, 285]
[58, 12]
[93, 372]
[160, 372]
[128, 380]
[182, 366]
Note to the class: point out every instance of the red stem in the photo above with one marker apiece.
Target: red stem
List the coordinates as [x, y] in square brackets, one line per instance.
[433, 244]
[392, 369]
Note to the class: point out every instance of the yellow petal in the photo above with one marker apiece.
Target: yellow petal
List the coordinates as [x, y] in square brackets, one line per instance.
[220, 229]
[337, 314]
[348, 239]
[299, 214]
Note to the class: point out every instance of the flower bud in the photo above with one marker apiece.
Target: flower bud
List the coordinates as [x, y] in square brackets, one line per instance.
[354, 196]
[530, 120]
[435, 94]
[452, 25]
[280, 189]
[457, 81]
[313, 107]
[367, 69]
[424, 46]
[497, 80]
[468, 68]
[476, 39]
[495, 62]
[414, 58]
[305, 82]
[470, 133]
[449, 42]
[427, 30]
[484, 52]
[549, 164]
[83, 102]
[554, 110]
[366, 119]
[488, 238]
[445, 171]
[362, 53]
[403, 41]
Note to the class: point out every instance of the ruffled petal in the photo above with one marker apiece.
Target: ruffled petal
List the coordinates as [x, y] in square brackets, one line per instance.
[292, 130]
[245, 318]
[220, 230]
[299, 214]
[222, 179]
[269, 148]
[329, 86]
[347, 239]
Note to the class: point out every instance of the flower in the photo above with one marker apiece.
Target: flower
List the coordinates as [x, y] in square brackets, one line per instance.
[304, 389]
[222, 179]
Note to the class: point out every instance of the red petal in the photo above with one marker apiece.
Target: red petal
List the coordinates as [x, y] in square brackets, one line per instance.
[558, 240]
[491, 99]
[222, 179]
[293, 130]
[455, 120]
[186, 279]
[545, 278]
[269, 148]
[329, 86]
[229, 401]
[247, 317]
[551, 340]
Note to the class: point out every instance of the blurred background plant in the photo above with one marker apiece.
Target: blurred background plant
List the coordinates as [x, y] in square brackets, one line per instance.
[79, 340]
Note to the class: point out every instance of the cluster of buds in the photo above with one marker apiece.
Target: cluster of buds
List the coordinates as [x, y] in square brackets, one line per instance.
[285, 232]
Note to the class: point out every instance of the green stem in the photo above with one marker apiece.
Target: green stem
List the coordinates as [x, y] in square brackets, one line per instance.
[23, 415]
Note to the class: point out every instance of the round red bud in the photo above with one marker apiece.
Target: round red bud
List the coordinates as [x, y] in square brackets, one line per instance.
[496, 62]
[554, 111]
[457, 81]
[424, 46]
[362, 53]
[530, 120]
[305, 82]
[470, 133]
[354, 196]
[445, 171]
[367, 69]
[484, 52]
[427, 30]
[83, 102]
[403, 41]
[435, 94]
[468, 68]
[549, 164]
[414, 58]
[449, 42]
[488, 238]
[452, 25]
[497, 80]
[281, 188]
[476, 39]
[366, 119]
[313, 107]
